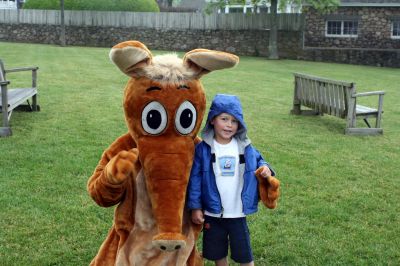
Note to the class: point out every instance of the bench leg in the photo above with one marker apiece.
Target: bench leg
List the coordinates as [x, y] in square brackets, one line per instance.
[5, 131]
[351, 114]
[378, 119]
[363, 131]
[34, 103]
[296, 109]
[380, 107]
[4, 111]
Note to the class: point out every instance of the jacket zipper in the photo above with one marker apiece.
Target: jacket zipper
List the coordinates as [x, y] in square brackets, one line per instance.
[213, 161]
[219, 195]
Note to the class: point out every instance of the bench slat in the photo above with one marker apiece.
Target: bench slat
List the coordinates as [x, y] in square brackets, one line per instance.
[331, 103]
[304, 92]
[341, 107]
[338, 82]
[321, 94]
[335, 100]
[300, 93]
[309, 92]
[18, 96]
[316, 100]
[324, 99]
[327, 101]
[364, 110]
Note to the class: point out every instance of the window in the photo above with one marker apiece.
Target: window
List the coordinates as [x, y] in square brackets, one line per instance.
[334, 28]
[350, 28]
[342, 28]
[396, 29]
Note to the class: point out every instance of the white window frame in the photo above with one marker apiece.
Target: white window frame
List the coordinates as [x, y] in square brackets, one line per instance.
[392, 29]
[8, 4]
[342, 21]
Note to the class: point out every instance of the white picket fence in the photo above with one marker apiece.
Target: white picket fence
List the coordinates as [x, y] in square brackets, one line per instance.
[162, 20]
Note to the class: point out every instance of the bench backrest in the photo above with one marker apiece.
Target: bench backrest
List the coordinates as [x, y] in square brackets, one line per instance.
[323, 95]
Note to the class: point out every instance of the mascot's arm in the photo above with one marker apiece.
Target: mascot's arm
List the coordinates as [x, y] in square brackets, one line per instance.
[268, 187]
[107, 184]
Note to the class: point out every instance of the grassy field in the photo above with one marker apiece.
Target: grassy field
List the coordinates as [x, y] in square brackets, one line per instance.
[340, 202]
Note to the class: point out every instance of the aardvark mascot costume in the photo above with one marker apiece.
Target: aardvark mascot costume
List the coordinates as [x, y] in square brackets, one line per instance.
[145, 172]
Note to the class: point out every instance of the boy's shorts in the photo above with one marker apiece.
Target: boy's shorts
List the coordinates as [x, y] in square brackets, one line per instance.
[219, 232]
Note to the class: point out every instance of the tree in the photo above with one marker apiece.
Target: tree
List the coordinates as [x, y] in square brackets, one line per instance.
[273, 32]
[321, 5]
[62, 34]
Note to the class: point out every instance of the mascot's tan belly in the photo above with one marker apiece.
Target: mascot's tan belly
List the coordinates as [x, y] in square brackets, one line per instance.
[138, 249]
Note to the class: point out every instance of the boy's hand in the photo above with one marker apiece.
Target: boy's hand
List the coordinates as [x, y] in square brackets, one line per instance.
[263, 171]
[197, 216]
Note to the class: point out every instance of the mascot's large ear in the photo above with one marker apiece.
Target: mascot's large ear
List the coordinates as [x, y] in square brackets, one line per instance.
[204, 61]
[130, 57]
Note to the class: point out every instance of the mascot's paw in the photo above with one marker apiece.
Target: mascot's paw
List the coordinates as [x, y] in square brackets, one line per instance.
[272, 192]
[274, 183]
[269, 188]
[121, 166]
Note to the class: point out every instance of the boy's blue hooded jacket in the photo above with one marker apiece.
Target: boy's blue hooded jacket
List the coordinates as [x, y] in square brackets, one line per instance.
[202, 189]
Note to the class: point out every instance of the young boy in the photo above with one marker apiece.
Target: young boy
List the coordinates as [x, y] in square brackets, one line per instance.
[223, 187]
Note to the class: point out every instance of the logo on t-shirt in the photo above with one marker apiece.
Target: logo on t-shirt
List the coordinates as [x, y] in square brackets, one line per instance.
[227, 165]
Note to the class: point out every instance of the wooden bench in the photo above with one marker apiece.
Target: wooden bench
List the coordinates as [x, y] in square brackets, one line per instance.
[14, 98]
[336, 98]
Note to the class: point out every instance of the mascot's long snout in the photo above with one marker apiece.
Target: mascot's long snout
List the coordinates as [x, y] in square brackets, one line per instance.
[166, 184]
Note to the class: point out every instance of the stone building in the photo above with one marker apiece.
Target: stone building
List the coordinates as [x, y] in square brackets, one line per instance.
[358, 31]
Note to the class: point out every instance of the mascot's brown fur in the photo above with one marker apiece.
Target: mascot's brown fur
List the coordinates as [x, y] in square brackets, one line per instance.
[145, 172]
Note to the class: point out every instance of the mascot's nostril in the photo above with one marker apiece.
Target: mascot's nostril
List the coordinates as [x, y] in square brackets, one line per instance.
[170, 245]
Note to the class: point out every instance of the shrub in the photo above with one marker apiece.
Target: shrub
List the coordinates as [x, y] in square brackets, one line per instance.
[99, 5]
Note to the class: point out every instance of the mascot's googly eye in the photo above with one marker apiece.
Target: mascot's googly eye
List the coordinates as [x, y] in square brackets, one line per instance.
[185, 118]
[154, 118]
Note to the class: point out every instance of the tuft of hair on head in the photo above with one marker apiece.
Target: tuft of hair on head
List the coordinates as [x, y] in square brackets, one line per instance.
[168, 68]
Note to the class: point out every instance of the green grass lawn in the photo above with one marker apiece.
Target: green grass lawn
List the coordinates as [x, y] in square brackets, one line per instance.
[340, 202]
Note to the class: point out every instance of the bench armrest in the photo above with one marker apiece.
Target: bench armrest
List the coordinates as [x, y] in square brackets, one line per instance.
[5, 82]
[368, 93]
[21, 69]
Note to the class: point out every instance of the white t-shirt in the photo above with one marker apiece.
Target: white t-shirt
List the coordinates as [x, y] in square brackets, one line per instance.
[229, 183]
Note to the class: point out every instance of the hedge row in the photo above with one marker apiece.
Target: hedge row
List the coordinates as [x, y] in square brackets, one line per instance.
[98, 5]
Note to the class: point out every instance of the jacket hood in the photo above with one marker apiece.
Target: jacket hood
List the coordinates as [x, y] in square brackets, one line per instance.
[224, 103]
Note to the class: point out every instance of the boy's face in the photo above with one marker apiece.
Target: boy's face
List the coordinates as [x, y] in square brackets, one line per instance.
[225, 127]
